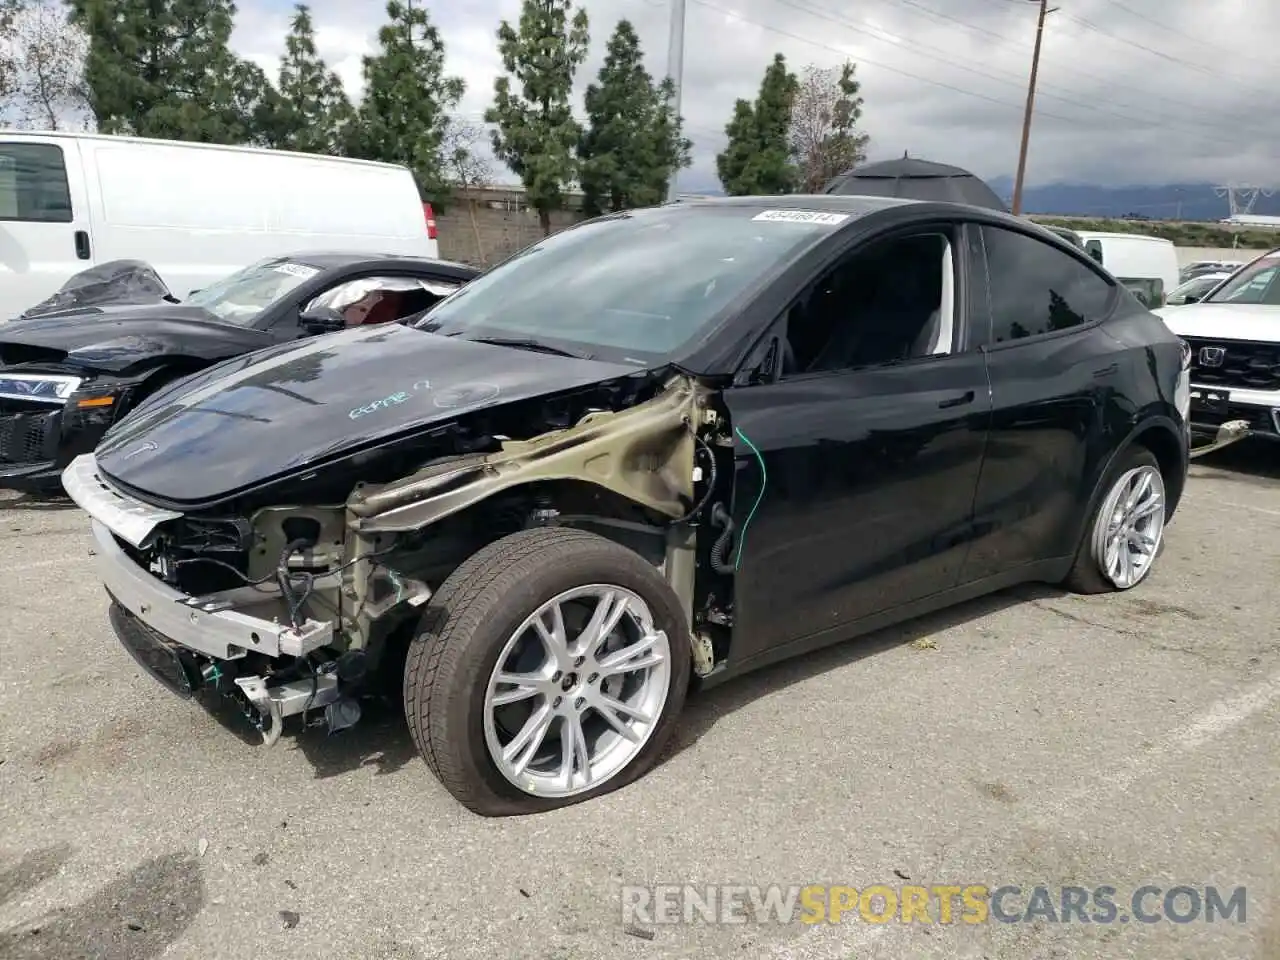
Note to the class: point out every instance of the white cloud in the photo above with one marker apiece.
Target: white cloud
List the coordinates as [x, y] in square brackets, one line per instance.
[1144, 91]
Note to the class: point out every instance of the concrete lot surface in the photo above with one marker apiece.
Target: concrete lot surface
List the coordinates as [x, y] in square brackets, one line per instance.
[1031, 738]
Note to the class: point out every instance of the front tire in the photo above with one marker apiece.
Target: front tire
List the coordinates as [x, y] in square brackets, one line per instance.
[550, 667]
[1126, 531]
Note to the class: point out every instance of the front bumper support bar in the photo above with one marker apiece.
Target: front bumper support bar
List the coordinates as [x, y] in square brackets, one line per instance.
[202, 624]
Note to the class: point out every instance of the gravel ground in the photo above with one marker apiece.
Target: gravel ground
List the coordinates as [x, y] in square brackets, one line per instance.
[1029, 738]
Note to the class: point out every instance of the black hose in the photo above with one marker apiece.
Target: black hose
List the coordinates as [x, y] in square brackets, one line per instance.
[721, 518]
[711, 483]
[285, 581]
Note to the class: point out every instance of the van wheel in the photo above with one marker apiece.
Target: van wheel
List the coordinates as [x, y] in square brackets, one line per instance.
[549, 668]
[1126, 532]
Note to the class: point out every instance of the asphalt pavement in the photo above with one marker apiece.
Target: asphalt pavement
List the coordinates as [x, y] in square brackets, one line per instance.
[1029, 738]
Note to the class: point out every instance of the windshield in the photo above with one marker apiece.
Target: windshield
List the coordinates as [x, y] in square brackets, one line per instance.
[634, 286]
[240, 297]
[1197, 287]
[1256, 283]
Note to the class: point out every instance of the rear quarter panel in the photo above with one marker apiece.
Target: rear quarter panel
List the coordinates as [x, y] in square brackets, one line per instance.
[1151, 366]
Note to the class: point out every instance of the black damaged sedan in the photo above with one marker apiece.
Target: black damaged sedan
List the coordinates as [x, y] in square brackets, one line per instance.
[69, 374]
[643, 456]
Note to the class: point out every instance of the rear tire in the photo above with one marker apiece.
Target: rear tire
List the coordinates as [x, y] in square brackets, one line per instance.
[1125, 533]
[481, 621]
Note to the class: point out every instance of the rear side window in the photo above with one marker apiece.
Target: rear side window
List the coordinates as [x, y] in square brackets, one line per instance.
[1037, 289]
[33, 183]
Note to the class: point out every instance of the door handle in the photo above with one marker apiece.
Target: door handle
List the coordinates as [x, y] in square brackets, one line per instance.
[82, 245]
[960, 401]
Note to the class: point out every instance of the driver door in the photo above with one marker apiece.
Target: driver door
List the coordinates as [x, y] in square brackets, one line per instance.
[856, 472]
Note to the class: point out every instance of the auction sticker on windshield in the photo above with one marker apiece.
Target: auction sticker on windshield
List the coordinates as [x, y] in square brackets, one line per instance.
[803, 216]
[297, 270]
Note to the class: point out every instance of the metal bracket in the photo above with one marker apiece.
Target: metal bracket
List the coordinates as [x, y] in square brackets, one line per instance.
[1228, 433]
[704, 655]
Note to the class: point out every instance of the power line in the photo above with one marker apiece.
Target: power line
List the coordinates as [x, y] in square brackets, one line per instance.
[1179, 104]
[1199, 41]
[734, 15]
[1019, 83]
[1135, 45]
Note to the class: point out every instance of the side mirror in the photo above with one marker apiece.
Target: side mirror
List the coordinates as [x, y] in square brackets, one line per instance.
[321, 319]
[1191, 298]
[192, 293]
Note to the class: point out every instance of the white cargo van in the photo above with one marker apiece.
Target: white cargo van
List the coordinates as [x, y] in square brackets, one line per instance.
[1146, 265]
[195, 212]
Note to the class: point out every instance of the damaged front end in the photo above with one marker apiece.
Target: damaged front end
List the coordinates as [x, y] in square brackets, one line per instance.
[302, 608]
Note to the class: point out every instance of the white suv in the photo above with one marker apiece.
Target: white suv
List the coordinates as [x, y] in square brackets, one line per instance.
[1234, 336]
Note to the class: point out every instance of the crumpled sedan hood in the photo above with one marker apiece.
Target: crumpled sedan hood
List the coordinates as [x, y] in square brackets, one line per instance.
[113, 338]
[256, 418]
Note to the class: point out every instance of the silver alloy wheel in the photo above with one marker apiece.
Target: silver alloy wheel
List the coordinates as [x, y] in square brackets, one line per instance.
[577, 691]
[1130, 527]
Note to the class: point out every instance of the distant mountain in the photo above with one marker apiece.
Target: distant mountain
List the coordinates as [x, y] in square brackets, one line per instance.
[1175, 201]
[1184, 201]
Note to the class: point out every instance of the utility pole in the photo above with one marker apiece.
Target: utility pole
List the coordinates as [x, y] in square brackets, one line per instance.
[1031, 99]
[675, 70]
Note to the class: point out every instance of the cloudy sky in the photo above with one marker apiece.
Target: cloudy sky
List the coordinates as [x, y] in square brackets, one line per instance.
[1130, 91]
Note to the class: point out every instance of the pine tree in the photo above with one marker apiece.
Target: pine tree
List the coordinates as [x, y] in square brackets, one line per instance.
[163, 68]
[632, 145]
[757, 158]
[308, 111]
[536, 135]
[407, 100]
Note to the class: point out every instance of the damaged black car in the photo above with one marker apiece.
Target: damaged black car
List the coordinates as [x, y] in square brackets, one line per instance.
[73, 365]
[647, 454]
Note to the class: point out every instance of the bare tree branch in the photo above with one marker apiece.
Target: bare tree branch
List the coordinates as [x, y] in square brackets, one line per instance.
[9, 13]
[461, 147]
[49, 55]
[824, 136]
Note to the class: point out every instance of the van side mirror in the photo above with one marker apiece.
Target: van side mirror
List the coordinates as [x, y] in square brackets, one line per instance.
[1191, 298]
[321, 319]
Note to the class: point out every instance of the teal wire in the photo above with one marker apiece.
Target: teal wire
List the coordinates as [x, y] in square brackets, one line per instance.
[764, 479]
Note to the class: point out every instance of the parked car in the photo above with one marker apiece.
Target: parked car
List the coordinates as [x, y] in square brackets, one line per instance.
[1234, 335]
[680, 441]
[1148, 266]
[1201, 267]
[193, 211]
[70, 372]
[1194, 289]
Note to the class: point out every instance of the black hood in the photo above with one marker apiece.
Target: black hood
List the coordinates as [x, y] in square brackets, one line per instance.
[262, 417]
[114, 338]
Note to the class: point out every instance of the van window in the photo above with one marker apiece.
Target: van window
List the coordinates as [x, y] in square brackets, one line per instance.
[33, 183]
[1094, 249]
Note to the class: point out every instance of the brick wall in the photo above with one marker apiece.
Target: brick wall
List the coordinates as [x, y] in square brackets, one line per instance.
[486, 224]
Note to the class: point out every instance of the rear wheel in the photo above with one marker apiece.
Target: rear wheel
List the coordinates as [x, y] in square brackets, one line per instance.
[550, 667]
[1126, 531]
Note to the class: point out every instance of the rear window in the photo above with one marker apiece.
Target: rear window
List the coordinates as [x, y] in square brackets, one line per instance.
[33, 183]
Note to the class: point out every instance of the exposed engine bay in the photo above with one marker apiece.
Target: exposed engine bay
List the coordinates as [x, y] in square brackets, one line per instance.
[341, 574]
